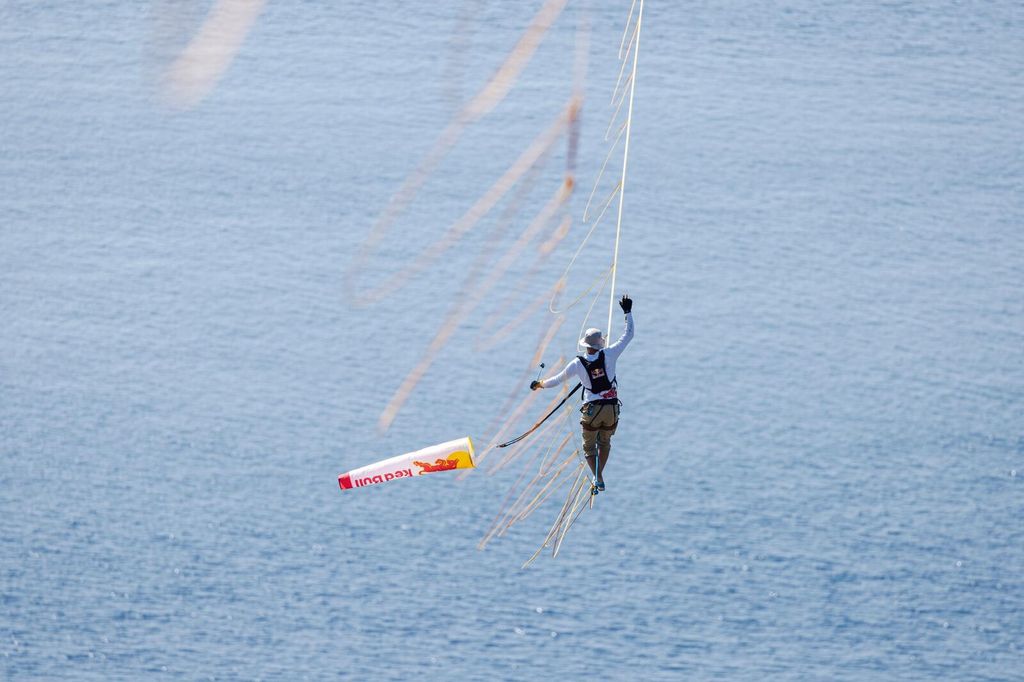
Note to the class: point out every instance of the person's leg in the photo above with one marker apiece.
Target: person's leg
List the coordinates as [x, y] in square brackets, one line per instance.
[590, 462]
[589, 435]
[604, 448]
[609, 422]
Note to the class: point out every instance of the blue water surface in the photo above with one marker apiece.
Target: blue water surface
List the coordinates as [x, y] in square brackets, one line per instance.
[819, 473]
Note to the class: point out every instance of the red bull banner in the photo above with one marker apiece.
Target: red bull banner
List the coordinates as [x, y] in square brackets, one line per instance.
[455, 454]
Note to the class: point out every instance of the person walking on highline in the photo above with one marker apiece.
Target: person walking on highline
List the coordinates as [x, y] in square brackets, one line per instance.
[596, 371]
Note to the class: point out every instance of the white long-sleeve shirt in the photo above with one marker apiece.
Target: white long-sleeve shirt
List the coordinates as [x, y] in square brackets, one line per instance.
[576, 369]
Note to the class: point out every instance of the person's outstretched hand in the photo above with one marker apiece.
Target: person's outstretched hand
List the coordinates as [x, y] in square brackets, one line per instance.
[534, 385]
[626, 303]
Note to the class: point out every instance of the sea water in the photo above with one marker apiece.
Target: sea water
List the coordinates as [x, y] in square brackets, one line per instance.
[819, 472]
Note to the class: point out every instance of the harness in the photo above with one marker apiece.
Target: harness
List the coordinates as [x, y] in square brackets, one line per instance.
[599, 383]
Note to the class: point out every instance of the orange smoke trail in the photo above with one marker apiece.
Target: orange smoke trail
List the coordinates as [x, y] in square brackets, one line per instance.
[193, 75]
[527, 160]
[462, 310]
[493, 92]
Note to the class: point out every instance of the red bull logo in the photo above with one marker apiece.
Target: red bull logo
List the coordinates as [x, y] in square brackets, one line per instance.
[438, 465]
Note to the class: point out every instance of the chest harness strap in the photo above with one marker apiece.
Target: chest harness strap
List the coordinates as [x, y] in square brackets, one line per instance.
[599, 383]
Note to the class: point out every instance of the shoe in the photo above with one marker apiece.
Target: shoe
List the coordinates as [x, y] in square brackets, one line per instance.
[594, 490]
[600, 486]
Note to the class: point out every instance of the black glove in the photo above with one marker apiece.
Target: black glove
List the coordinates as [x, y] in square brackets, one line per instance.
[626, 303]
[534, 385]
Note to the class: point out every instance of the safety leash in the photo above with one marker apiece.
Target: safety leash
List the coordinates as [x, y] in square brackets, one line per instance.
[537, 425]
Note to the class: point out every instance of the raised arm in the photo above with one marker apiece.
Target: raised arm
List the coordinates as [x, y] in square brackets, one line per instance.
[627, 335]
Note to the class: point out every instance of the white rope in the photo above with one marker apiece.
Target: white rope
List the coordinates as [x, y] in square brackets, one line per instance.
[629, 20]
[625, 159]
[600, 174]
[624, 60]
